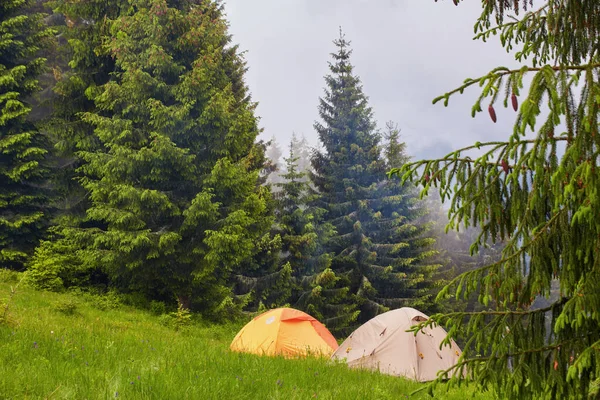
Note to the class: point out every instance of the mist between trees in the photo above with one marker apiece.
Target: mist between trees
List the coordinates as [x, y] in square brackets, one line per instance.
[130, 163]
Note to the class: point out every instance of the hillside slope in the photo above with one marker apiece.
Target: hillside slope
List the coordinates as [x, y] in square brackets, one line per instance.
[67, 346]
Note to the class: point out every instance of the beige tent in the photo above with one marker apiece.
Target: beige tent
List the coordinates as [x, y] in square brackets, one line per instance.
[383, 344]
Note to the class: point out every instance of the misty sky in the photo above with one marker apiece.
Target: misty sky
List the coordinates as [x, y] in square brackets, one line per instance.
[406, 52]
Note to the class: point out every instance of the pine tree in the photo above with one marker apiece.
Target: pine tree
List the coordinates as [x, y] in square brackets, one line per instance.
[80, 65]
[23, 149]
[176, 207]
[274, 154]
[379, 251]
[538, 192]
[403, 238]
[303, 152]
[302, 232]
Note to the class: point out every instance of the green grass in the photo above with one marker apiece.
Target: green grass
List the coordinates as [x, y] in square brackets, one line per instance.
[61, 346]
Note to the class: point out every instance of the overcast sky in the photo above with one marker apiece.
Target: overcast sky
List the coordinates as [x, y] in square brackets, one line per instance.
[406, 52]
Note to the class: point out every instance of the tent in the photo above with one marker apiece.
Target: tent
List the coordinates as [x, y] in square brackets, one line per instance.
[383, 344]
[287, 332]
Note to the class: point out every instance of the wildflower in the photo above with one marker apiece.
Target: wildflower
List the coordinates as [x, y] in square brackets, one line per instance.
[279, 382]
[421, 355]
[35, 345]
[52, 332]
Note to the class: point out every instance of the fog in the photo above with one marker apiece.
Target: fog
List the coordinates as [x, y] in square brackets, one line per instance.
[406, 52]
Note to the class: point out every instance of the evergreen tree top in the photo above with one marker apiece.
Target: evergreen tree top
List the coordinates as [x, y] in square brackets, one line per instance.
[395, 150]
[344, 110]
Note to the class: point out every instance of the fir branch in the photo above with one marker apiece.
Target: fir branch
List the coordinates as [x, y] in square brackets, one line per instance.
[522, 250]
[443, 375]
[504, 71]
[561, 302]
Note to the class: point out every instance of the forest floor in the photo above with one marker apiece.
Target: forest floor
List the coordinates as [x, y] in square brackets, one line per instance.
[74, 346]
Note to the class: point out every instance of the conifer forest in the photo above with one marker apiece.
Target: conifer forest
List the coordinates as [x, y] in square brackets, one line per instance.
[133, 163]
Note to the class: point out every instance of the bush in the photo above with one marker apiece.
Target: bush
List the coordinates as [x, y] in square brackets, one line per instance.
[177, 320]
[230, 309]
[135, 299]
[157, 307]
[4, 311]
[181, 318]
[66, 306]
[108, 301]
[55, 266]
[166, 320]
[8, 276]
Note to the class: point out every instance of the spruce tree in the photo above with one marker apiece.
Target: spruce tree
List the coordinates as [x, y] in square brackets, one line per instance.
[379, 251]
[538, 191]
[303, 151]
[80, 65]
[303, 233]
[23, 149]
[403, 238]
[274, 154]
[176, 208]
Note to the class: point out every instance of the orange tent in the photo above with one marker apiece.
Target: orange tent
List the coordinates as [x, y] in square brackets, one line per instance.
[286, 332]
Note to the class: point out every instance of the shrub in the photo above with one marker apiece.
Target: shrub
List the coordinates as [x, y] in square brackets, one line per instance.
[66, 306]
[8, 276]
[157, 307]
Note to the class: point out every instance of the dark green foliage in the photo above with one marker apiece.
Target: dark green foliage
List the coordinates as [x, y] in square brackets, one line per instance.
[176, 208]
[80, 64]
[538, 192]
[302, 231]
[380, 251]
[23, 217]
[264, 281]
[402, 238]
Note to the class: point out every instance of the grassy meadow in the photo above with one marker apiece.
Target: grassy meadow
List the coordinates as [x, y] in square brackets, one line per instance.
[67, 346]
